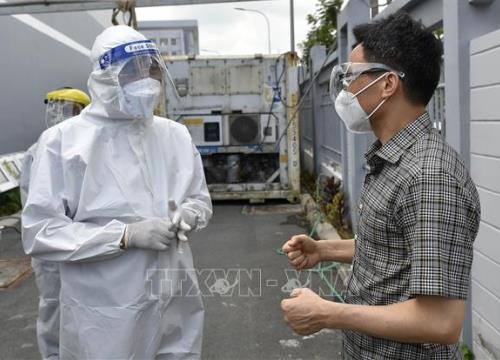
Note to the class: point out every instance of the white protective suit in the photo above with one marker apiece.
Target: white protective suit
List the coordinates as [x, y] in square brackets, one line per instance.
[93, 175]
[47, 281]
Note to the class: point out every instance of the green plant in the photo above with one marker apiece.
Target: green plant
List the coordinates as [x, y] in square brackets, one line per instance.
[335, 213]
[329, 189]
[308, 182]
[323, 27]
[330, 200]
[466, 352]
[10, 202]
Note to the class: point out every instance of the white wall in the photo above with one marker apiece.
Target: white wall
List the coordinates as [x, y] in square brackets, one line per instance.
[38, 54]
[485, 169]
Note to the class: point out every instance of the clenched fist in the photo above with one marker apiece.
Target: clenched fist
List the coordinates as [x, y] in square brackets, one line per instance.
[302, 252]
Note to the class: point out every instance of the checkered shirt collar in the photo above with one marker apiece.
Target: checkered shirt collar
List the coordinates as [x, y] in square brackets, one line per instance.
[394, 148]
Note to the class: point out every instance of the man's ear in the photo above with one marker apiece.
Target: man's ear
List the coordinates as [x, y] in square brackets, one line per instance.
[391, 84]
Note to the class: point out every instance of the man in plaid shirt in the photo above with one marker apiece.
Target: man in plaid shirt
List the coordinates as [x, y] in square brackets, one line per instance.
[419, 210]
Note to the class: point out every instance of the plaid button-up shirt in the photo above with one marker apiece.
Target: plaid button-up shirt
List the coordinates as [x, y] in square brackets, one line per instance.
[419, 215]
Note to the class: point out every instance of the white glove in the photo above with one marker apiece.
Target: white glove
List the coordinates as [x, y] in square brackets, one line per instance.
[182, 220]
[154, 234]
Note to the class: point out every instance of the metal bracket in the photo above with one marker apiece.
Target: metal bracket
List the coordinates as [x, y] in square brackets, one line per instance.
[273, 176]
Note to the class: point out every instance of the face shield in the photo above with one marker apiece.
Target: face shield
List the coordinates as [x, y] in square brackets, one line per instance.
[139, 68]
[344, 74]
[139, 72]
[58, 110]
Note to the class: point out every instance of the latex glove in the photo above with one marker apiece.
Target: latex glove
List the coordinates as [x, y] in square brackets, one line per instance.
[154, 234]
[182, 220]
[180, 225]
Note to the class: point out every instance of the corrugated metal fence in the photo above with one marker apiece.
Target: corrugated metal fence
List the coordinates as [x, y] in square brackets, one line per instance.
[321, 128]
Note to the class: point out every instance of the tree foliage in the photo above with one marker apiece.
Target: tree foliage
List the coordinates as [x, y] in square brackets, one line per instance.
[323, 27]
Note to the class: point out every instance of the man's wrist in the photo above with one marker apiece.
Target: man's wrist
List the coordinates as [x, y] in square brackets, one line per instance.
[335, 315]
[320, 246]
[327, 250]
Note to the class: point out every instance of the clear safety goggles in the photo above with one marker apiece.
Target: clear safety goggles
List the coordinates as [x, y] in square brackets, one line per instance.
[134, 61]
[344, 74]
[59, 110]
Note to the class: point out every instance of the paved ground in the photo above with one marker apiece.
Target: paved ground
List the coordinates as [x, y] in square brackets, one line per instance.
[242, 277]
[18, 307]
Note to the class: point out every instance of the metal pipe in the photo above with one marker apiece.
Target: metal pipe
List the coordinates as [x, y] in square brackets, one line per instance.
[268, 25]
[292, 27]
[49, 6]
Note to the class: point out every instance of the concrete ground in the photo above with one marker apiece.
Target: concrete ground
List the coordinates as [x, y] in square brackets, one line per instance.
[243, 280]
[18, 307]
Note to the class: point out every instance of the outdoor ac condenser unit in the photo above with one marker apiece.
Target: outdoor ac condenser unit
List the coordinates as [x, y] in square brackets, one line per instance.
[244, 129]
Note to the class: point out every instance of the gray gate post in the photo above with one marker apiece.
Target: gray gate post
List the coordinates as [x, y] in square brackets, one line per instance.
[353, 145]
[318, 55]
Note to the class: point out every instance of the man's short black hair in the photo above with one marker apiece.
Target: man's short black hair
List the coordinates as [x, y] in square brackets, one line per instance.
[405, 45]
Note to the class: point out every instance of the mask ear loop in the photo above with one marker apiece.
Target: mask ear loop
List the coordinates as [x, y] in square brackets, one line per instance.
[376, 108]
[366, 87]
[382, 102]
[370, 84]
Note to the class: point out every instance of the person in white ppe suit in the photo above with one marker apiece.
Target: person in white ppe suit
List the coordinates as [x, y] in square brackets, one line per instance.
[62, 104]
[100, 203]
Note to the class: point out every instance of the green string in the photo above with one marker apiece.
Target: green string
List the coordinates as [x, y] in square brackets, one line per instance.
[328, 266]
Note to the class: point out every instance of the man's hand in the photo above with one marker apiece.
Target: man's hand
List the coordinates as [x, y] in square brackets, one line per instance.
[302, 252]
[304, 311]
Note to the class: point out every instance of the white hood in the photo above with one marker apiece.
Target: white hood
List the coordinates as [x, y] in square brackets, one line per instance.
[103, 84]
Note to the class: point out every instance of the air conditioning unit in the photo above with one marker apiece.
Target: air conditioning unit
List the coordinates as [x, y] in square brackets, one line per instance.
[205, 130]
[244, 129]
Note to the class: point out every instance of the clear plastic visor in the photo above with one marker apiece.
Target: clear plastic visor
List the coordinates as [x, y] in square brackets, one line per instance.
[59, 110]
[141, 67]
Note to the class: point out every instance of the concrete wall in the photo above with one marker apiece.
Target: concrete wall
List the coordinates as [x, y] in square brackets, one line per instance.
[39, 53]
[485, 169]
